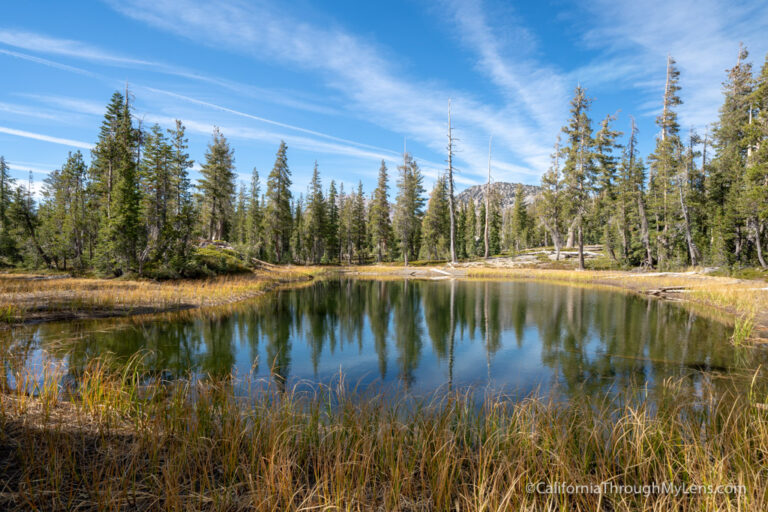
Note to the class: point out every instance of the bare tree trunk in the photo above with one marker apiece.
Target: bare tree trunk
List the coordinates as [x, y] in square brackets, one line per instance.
[581, 246]
[665, 111]
[451, 208]
[558, 243]
[487, 203]
[758, 242]
[569, 241]
[644, 230]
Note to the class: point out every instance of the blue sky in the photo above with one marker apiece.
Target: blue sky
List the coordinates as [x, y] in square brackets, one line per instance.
[346, 83]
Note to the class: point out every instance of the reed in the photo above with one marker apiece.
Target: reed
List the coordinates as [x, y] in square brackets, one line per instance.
[127, 442]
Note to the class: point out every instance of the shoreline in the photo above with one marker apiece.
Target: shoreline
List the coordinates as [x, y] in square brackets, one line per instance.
[45, 299]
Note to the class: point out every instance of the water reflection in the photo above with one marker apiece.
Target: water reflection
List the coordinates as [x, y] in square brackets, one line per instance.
[415, 334]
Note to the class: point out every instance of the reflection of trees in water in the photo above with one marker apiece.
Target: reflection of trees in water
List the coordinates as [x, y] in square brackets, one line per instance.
[378, 309]
[589, 338]
[408, 330]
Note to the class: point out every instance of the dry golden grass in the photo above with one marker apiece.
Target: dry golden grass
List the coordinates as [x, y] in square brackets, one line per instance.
[119, 444]
[26, 297]
[733, 297]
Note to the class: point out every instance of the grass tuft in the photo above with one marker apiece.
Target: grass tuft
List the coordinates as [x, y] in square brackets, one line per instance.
[126, 441]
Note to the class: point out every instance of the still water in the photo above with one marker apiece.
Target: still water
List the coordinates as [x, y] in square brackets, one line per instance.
[417, 335]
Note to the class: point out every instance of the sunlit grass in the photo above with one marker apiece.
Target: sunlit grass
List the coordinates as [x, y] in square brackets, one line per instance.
[120, 443]
[28, 296]
[735, 296]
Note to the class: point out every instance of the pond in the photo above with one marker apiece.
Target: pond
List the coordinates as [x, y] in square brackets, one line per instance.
[418, 335]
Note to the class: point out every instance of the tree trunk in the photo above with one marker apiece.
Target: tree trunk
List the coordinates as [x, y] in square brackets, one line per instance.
[581, 247]
[758, 243]
[451, 207]
[569, 241]
[693, 251]
[487, 204]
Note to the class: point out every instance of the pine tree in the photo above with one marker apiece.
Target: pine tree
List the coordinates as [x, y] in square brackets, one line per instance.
[606, 171]
[409, 207]
[253, 226]
[578, 172]
[277, 218]
[470, 232]
[316, 222]
[23, 216]
[436, 224]
[218, 187]
[494, 222]
[725, 180]
[379, 221]
[240, 218]
[7, 243]
[120, 236]
[346, 222]
[332, 244]
[551, 205]
[755, 200]
[156, 178]
[665, 163]
[183, 214]
[358, 224]
[106, 156]
[62, 214]
[298, 235]
[520, 224]
[461, 227]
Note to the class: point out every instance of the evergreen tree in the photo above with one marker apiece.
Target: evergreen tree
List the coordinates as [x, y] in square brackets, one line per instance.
[278, 223]
[726, 184]
[664, 164]
[755, 200]
[156, 178]
[107, 155]
[240, 217]
[379, 220]
[436, 224]
[62, 214]
[332, 244]
[606, 173]
[409, 207]
[254, 236]
[316, 222]
[298, 235]
[358, 224]
[520, 223]
[7, 243]
[551, 205]
[182, 220]
[470, 236]
[578, 172]
[218, 187]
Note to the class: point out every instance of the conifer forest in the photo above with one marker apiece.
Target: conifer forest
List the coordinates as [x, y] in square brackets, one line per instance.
[130, 208]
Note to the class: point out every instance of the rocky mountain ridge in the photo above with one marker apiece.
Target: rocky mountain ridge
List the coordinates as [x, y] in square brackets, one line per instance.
[505, 190]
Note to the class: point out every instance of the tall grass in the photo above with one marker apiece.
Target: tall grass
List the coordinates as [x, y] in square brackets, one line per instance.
[27, 297]
[121, 443]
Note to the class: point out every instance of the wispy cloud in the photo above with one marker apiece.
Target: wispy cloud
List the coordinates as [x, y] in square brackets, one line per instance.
[34, 42]
[375, 88]
[702, 35]
[45, 138]
[40, 43]
[26, 111]
[48, 63]
[265, 120]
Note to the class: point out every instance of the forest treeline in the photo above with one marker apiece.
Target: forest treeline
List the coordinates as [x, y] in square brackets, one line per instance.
[697, 199]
